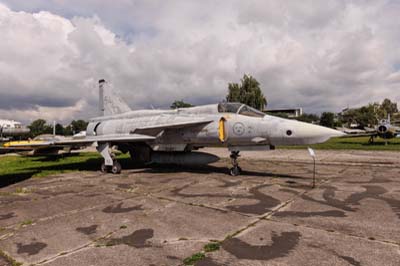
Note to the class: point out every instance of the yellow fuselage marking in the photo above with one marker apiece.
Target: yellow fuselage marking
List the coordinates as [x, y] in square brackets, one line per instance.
[221, 130]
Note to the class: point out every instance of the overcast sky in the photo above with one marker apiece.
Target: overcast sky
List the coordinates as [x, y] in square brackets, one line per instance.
[320, 55]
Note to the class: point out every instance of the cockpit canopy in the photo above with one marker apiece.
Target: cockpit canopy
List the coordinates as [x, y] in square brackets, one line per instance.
[384, 122]
[239, 108]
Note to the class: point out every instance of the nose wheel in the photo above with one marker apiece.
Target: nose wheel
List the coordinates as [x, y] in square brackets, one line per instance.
[235, 170]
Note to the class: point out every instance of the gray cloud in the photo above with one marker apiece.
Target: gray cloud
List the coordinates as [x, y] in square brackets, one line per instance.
[320, 55]
[26, 102]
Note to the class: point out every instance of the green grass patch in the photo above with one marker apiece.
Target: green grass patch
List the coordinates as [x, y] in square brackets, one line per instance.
[211, 247]
[353, 143]
[39, 166]
[22, 190]
[194, 258]
[103, 243]
[26, 222]
[110, 244]
[18, 168]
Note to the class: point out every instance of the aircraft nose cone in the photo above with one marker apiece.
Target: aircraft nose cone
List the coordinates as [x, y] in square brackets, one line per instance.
[303, 133]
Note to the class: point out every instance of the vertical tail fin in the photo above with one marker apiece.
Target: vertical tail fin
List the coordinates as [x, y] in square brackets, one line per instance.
[109, 102]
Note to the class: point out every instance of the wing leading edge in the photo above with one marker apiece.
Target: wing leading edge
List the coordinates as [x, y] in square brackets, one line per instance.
[135, 136]
[107, 138]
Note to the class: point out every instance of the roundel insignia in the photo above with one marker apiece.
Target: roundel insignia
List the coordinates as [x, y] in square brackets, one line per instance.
[238, 128]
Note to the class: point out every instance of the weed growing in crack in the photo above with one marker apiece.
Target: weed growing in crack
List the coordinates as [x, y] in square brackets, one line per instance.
[194, 258]
[211, 247]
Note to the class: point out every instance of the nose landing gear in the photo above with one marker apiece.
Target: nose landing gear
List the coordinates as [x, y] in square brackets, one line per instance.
[235, 170]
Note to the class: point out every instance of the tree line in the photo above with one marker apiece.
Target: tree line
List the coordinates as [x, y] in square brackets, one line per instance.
[40, 126]
[248, 92]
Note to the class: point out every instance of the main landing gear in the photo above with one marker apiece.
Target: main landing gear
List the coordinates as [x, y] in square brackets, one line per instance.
[115, 168]
[110, 164]
[235, 170]
[371, 140]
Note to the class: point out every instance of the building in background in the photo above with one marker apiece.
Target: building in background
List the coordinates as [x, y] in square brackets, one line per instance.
[289, 112]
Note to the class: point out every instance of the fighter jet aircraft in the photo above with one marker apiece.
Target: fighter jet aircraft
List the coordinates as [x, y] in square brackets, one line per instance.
[173, 136]
[384, 130]
[11, 128]
[42, 145]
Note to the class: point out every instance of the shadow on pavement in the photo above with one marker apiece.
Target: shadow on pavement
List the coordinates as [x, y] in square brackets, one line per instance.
[93, 165]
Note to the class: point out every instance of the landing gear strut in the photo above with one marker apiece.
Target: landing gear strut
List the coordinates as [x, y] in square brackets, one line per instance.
[235, 170]
[371, 140]
[110, 164]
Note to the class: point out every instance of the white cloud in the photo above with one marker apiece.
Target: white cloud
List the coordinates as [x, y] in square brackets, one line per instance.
[320, 55]
[60, 114]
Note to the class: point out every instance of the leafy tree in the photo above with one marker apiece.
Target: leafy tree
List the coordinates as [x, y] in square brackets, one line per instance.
[247, 92]
[396, 118]
[234, 93]
[327, 119]
[59, 129]
[180, 104]
[386, 108]
[39, 127]
[68, 131]
[77, 126]
[282, 115]
[365, 116]
[309, 118]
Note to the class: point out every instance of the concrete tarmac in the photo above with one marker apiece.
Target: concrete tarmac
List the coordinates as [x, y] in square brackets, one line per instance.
[269, 215]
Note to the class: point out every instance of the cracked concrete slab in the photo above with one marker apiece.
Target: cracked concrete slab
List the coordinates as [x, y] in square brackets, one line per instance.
[276, 243]
[124, 254]
[270, 215]
[169, 222]
[368, 207]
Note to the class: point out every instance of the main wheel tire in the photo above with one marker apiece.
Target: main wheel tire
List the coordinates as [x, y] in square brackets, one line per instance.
[116, 168]
[104, 168]
[235, 171]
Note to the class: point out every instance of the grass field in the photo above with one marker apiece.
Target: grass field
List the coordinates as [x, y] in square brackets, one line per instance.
[17, 168]
[354, 143]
